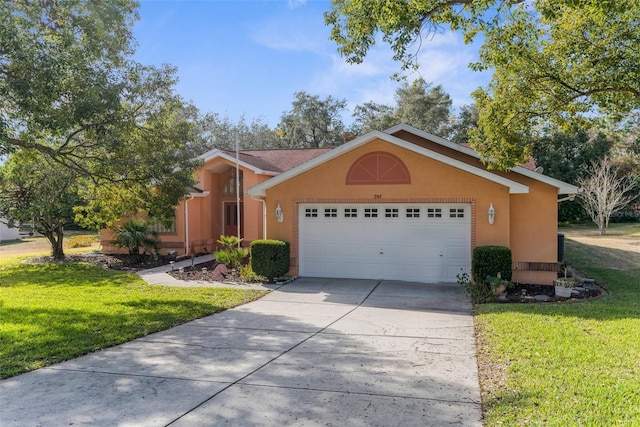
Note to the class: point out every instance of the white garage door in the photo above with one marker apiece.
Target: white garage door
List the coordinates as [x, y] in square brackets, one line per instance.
[413, 242]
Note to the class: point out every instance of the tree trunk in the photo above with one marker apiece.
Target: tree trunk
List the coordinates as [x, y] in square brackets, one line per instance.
[55, 237]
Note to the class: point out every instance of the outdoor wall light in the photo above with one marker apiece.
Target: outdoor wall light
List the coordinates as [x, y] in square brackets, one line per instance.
[279, 213]
[492, 214]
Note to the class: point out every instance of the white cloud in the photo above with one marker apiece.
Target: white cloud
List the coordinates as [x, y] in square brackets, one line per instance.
[293, 31]
[296, 3]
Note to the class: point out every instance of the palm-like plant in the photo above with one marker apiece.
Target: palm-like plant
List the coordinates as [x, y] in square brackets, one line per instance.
[135, 234]
[231, 253]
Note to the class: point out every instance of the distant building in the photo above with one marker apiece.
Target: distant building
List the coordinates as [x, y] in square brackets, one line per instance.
[8, 233]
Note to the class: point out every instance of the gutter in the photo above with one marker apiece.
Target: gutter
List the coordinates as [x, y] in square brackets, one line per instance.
[264, 213]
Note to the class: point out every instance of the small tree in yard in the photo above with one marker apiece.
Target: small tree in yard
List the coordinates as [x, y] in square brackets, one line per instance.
[604, 192]
[33, 190]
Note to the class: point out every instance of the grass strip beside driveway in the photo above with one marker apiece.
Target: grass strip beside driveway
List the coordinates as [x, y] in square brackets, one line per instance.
[566, 364]
[54, 312]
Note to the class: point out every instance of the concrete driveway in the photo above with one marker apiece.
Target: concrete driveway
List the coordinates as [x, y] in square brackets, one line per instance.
[314, 352]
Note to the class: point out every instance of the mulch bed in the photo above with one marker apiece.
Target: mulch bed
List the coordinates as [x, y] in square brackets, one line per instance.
[527, 293]
[112, 262]
[517, 293]
[214, 272]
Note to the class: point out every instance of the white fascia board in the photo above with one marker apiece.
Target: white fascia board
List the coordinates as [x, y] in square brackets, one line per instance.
[212, 154]
[438, 140]
[260, 189]
[563, 187]
[514, 187]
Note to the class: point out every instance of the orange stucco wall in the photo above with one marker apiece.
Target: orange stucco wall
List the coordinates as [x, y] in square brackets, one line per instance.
[431, 181]
[203, 213]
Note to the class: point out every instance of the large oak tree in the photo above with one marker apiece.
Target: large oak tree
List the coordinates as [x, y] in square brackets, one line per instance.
[556, 61]
[70, 91]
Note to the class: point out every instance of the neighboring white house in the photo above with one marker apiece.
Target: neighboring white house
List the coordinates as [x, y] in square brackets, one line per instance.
[8, 233]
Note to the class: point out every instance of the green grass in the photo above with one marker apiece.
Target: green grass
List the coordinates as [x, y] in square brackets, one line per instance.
[54, 312]
[565, 364]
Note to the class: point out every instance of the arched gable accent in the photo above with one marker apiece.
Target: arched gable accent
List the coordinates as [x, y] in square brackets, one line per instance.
[378, 167]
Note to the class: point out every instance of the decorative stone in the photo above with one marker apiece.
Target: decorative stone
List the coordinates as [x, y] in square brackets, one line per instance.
[220, 272]
[543, 298]
[587, 281]
[579, 289]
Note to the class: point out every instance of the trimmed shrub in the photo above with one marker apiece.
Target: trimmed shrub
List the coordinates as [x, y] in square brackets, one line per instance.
[270, 258]
[491, 261]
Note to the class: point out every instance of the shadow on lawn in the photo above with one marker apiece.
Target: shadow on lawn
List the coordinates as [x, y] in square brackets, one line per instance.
[273, 363]
[56, 274]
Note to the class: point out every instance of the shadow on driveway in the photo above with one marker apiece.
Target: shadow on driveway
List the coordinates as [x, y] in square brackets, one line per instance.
[314, 352]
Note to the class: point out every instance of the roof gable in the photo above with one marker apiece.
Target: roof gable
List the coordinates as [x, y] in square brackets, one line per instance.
[260, 189]
[563, 187]
[266, 162]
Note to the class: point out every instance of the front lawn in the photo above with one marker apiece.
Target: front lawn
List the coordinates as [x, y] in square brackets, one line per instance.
[53, 312]
[566, 364]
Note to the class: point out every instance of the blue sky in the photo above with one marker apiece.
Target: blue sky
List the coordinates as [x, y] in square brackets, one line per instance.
[248, 57]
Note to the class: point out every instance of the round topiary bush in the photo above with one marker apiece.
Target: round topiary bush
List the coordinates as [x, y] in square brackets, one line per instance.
[270, 258]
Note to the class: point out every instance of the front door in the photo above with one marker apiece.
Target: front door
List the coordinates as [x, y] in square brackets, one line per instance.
[230, 218]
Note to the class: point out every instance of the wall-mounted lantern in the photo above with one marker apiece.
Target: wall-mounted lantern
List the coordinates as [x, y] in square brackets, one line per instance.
[492, 214]
[279, 213]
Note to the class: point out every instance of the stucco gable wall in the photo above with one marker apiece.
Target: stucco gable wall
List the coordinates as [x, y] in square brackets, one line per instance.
[431, 181]
[534, 230]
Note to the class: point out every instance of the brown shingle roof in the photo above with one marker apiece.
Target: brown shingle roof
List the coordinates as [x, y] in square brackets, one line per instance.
[278, 160]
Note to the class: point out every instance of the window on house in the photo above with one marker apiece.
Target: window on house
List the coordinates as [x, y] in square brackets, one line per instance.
[160, 227]
[229, 188]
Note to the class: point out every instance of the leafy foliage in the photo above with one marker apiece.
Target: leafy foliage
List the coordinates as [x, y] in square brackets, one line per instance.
[553, 61]
[480, 292]
[136, 234]
[231, 254]
[270, 258]
[418, 104]
[34, 190]
[565, 156]
[492, 261]
[312, 122]
[70, 91]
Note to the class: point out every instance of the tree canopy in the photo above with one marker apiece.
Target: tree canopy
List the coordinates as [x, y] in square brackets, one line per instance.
[419, 104]
[70, 91]
[36, 191]
[312, 122]
[553, 61]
